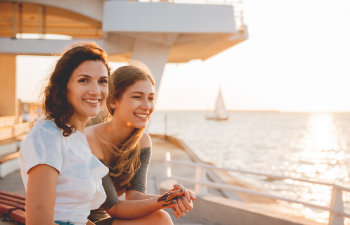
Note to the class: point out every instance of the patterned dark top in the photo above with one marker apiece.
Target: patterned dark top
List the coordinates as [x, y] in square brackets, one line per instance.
[138, 183]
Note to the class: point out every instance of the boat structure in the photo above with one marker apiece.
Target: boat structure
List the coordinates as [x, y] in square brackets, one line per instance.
[155, 32]
[220, 111]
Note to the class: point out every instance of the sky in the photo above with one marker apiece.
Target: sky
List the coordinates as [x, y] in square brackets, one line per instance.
[296, 58]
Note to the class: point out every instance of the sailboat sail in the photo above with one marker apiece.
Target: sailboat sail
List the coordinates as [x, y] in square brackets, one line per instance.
[220, 108]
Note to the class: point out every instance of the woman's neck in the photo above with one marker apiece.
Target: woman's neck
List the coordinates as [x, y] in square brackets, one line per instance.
[78, 123]
[117, 133]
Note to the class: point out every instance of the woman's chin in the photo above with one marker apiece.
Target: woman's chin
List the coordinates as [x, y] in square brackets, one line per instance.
[92, 114]
[138, 125]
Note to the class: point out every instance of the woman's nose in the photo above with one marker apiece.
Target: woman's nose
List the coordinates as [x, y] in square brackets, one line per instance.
[94, 88]
[146, 104]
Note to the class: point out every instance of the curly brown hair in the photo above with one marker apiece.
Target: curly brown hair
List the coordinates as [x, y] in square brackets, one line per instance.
[55, 102]
[126, 156]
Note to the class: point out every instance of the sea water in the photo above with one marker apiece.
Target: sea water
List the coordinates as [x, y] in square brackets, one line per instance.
[315, 146]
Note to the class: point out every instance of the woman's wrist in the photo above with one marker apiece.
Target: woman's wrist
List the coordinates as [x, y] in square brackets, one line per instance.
[168, 199]
[158, 205]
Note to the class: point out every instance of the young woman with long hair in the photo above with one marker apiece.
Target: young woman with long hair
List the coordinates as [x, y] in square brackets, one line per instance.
[125, 148]
[63, 179]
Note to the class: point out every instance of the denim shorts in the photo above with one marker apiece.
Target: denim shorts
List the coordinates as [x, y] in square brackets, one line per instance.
[63, 223]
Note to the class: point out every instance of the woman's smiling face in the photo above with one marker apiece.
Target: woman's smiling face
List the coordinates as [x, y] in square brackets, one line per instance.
[87, 89]
[136, 104]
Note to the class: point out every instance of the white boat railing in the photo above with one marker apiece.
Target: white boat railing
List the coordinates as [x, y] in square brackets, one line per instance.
[237, 7]
[335, 209]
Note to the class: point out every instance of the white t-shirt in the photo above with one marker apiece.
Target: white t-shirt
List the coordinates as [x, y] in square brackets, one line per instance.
[79, 185]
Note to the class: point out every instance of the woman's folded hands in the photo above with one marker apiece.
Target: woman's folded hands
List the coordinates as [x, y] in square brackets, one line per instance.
[179, 199]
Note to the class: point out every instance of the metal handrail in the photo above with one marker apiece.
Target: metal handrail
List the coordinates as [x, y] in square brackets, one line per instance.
[337, 213]
[277, 177]
[261, 194]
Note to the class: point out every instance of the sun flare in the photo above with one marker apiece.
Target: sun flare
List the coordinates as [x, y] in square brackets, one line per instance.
[319, 157]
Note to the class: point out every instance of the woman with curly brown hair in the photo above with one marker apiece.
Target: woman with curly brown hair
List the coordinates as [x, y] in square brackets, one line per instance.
[63, 179]
[125, 148]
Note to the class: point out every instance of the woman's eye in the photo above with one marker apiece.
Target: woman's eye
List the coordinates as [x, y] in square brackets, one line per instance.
[151, 99]
[83, 80]
[136, 97]
[103, 81]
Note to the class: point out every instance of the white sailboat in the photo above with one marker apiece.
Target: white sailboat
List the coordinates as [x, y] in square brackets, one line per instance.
[220, 111]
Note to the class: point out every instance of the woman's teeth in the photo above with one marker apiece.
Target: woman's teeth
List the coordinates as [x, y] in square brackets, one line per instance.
[92, 101]
[141, 115]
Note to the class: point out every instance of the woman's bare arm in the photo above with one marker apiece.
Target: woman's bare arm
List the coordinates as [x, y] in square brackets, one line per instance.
[41, 194]
[130, 209]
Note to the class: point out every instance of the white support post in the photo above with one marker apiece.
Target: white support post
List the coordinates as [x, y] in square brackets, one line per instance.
[167, 164]
[153, 55]
[200, 177]
[165, 124]
[336, 205]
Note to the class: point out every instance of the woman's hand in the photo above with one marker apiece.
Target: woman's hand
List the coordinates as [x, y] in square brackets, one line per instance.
[188, 194]
[170, 197]
[184, 203]
[179, 199]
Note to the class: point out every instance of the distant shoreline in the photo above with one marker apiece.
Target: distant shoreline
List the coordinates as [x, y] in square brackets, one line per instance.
[210, 110]
[248, 111]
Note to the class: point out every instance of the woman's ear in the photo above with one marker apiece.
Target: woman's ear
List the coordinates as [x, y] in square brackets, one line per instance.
[114, 105]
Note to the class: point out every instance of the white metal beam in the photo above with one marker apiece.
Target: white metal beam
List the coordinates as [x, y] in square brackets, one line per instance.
[124, 16]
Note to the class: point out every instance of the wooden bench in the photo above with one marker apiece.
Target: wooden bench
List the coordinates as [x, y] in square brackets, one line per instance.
[7, 121]
[8, 164]
[12, 207]
[8, 157]
[15, 131]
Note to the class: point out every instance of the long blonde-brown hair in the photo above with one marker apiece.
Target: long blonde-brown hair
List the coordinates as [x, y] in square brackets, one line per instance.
[126, 156]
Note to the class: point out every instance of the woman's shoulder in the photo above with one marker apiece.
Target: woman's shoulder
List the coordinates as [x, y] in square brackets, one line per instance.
[89, 131]
[43, 145]
[145, 141]
[45, 128]
[93, 131]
